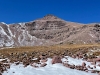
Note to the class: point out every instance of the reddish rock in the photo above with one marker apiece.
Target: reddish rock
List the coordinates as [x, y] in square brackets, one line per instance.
[56, 59]
[73, 56]
[80, 56]
[89, 60]
[93, 63]
[72, 66]
[44, 60]
[83, 64]
[86, 70]
[97, 59]
[66, 64]
[43, 57]
[99, 73]
[94, 66]
[34, 65]
[99, 65]
[93, 71]
[42, 65]
[88, 66]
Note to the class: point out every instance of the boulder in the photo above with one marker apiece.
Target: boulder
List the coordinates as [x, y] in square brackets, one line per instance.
[42, 65]
[99, 65]
[56, 59]
[97, 59]
[43, 58]
[99, 73]
[83, 64]
[89, 60]
[93, 71]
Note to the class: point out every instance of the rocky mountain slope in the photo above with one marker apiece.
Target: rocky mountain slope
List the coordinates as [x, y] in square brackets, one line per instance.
[48, 30]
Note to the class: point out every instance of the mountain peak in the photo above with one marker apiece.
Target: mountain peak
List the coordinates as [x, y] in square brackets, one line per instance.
[49, 16]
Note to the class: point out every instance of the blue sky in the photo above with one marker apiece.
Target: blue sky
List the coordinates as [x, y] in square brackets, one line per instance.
[82, 11]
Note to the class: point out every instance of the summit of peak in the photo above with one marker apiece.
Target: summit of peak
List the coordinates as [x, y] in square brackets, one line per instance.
[49, 16]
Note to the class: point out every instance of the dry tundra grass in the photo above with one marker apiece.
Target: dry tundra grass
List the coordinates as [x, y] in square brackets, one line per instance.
[56, 49]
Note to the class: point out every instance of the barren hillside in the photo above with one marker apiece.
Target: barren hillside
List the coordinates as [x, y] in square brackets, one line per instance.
[48, 30]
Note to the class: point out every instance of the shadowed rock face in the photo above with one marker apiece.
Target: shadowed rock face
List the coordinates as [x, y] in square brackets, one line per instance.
[48, 30]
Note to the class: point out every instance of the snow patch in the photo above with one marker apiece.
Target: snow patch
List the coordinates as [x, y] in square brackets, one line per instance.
[21, 24]
[2, 31]
[50, 69]
[91, 35]
[10, 31]
[55, 69]
[9, 43]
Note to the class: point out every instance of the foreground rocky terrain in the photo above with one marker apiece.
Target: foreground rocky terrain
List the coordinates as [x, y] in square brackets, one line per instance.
[56, 59]
[48, 30]
[61, 67]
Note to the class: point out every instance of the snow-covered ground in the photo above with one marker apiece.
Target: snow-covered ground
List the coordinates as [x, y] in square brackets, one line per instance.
[50, 69]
